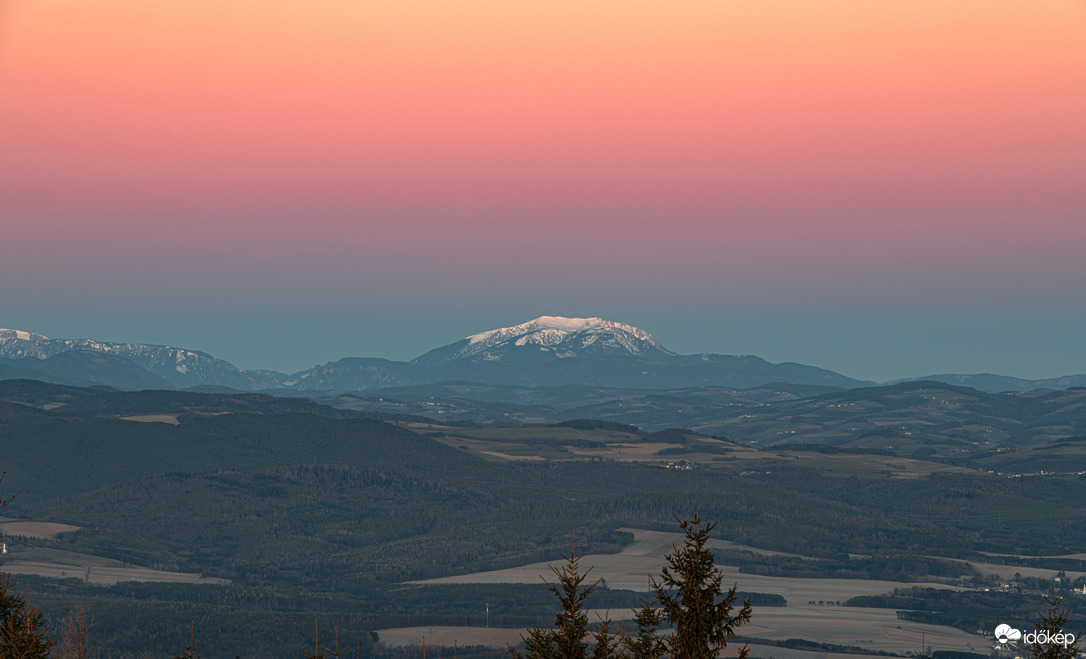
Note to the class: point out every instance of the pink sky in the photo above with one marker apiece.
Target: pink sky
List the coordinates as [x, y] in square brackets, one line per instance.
[845, 159]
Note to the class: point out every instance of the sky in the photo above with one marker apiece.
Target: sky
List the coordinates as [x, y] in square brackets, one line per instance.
[886, 189]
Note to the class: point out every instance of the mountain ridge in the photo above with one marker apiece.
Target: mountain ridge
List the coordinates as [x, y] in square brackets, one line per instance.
[995, 383]
[180, 367]
[546, 351]
[561, 336]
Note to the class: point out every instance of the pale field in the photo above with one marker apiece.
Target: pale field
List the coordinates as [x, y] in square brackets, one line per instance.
[644, 451]
[621, 447]
[92, 569]
[631, 567]
[105, 576]
[506, 456]
[1080, 557]
[153, 418]
[874, 629]
[499, 638]
[870, 629]
[494, 445]
[42, 530]
[494, 637]
[1008, 571]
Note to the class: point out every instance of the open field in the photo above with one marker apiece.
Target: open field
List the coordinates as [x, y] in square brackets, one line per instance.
[870, 465]
[91, 569]
[1007, 572]
[869, 628]
[41, 530]
[551, 443]
[446, 636]
[631, 567]
[874, 629]
[561, 443]
[1080, 557]
[877, 630]
[811, 613]
[153, 418]
[632, 573]
[106, 576]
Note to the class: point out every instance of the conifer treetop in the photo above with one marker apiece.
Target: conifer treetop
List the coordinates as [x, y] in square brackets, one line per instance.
[692, 598]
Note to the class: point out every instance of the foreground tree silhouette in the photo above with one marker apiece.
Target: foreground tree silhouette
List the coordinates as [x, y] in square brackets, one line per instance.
[23, 632]
[73, 641]
[330, 653]
[693, 601]
[189, 651]
[646, 645]
[566, 638]
[608, 645]
[1053, 621]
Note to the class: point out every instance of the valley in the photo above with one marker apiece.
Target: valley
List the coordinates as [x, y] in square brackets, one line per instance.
[262, 511]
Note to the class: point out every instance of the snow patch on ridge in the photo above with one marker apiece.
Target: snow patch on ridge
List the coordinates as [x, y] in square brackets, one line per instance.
[179, 366]
[21, 335]
[550, 332]
[559, 323]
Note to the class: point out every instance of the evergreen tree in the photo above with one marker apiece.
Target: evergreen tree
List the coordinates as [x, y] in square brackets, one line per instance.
[1053, 621]
[23, 633]
[11, 603]
[566, 638]
[538, 645]
[571, 622]
[608, 645]
[693, 601]
[646, 645]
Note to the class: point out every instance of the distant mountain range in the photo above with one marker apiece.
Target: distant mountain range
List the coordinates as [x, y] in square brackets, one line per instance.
[993, 383]
[556, 351]
[550, 351]
[121, 365]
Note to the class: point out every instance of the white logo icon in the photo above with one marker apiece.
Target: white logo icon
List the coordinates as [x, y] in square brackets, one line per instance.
[1005, 633]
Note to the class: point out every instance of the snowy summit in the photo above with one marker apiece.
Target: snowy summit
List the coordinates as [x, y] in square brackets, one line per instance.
[555, 336]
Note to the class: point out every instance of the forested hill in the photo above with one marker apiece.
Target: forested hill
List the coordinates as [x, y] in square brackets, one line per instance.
[88, 402]
[296, 507]
[62, 458]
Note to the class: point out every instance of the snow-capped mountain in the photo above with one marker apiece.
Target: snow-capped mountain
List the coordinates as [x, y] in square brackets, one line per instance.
[17, 344]
[556, 351]
[546, 351]
[176, 366]
[551, 337]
